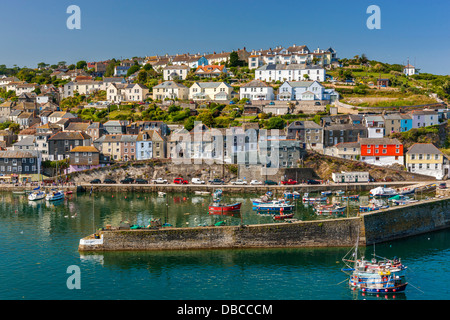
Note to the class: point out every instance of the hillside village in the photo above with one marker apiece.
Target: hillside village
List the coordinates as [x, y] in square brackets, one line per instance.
[270, 107]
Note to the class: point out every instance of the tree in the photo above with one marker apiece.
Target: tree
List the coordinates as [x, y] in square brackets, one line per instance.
[14, 127]
[275, 123]
[133, 69]
[81, 64]
[234, 60]
[142, 77]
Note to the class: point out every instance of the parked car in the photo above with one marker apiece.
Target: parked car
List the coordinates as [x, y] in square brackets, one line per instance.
[197, 181]
[289, 182]
[96, 181]
[313, 182]
[110, 181]
[239, 181]
[180, 181]
[270, 182]
[127, 180]
[216, 181]
[141, 181]
[159, 181]
[255, 182]
[442, 185]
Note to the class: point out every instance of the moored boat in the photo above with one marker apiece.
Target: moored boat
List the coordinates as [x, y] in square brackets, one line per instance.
[37, 194]
[382, 276]
[307, 198]
[382, 192]
[224, 207]
[329, 209]
[339, 192]
[55, 195]
[351, 197]
[275, 206]
[291, 195]
[202, 193]
[283, 216]
[326, 193]
[372, 207]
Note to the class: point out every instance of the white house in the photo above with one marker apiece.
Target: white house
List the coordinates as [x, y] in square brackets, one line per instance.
[256, 90]
[82, 87]
[126, 92]
[305, 91]
[291, 72]
[175, 72]
[170, 90]
[410, 70]
[210, 91]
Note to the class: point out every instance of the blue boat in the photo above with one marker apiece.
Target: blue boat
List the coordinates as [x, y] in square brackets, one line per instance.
[291, 195]
[55, 195]
[263, 199]
[275, 206]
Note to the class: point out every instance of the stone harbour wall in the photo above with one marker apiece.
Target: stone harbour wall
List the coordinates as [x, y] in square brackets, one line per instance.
[379, 226]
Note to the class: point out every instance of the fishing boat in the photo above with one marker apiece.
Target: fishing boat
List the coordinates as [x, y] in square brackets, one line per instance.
[406, 192]
[291, 195]
[339, 192]
[401, 200]
[351, 197]
[372, 207]
[329, 209]
[326, 193]
[216, 206]
[202, 193]
[263, 199]
[37, 194]
[68, 192]
[307, 198]
[382, 192]
[427, 188]
[217, 193]
[375, 276]
[55, 195]
[283, 216]
[275, 206]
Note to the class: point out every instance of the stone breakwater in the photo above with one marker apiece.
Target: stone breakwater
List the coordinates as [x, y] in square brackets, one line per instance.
[380, 226]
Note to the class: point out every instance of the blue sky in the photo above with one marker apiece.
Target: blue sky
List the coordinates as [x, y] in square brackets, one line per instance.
[35, 31]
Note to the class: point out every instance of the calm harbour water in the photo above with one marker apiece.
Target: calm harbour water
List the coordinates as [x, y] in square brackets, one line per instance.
[39, 241]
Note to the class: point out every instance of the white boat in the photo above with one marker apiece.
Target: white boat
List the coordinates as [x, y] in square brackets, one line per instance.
[37, 194]
[307, 198]
[202, 193]
[382, 192]
[326, 193]
[339, 192]
[161, 194]
[330, 209]
[55, 195]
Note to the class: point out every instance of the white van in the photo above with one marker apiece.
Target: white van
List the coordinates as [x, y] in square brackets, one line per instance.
[197, 181]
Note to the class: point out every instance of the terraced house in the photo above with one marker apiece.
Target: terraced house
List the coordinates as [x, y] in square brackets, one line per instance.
[214, 91]
[19, 165]
[425, 158]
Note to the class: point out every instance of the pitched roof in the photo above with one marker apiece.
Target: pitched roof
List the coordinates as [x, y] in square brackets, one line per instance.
[65, 135]
[426, 148]
[256, 83]
[85, 149]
